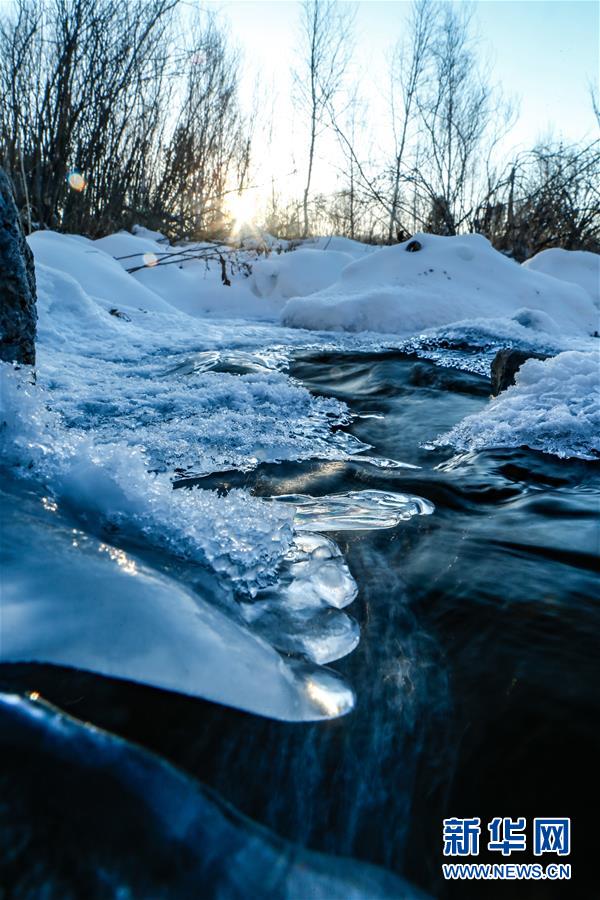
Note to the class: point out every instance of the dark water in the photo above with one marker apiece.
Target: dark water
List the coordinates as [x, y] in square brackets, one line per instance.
[477, 671]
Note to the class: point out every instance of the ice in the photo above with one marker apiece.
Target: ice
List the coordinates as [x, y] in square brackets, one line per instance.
[109, 486]
[450, 279]
[188, 840]
[322, 636]
[326, 691]
[301, 613]
[315, 573]
[354, 510]
[554, 407]
[232, 362]
[73, 600]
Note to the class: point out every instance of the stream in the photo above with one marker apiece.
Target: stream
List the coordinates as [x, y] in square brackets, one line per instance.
[476, 672]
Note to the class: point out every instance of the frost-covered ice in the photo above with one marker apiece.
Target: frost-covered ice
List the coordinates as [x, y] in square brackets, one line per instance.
[354, 510]
[448, 280]
[575, 266]
[110, 486]
[72, 600]
[554, 406]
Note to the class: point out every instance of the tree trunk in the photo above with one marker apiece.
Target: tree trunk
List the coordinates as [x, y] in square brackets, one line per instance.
[18, 314]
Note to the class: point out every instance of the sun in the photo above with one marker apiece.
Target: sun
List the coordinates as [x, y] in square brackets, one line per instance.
[243, 210]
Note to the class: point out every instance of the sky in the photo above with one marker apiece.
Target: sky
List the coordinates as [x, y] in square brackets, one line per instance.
[542, 53]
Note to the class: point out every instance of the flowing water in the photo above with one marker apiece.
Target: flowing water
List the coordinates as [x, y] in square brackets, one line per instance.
[476, 674]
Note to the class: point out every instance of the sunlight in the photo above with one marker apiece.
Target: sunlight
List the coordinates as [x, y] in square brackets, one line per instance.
[243, 210]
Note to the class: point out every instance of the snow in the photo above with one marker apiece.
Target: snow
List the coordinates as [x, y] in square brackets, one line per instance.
[575, 266]
[448, 280]
[111, 484]
[554, 406]
[96, 273]
[337, 243]
[299, 273]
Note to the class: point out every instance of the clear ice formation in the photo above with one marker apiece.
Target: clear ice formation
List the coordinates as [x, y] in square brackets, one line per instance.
[354, 510]
[301, 614]
[233, 362]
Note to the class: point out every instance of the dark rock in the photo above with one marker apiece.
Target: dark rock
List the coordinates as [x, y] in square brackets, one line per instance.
[414, 246]
[427, 375]
[120, 315]
[505, 366]
[18, 315]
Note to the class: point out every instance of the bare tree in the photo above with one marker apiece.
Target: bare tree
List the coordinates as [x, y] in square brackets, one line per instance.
[109, 116]
[547, 197]
[409, 69]
[325, 48]
[455, 108]
[208, 153]
[82, 91]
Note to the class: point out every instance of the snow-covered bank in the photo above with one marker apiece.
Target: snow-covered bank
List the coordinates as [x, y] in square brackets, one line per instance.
[553, 407]
[574, 266]
[447, 280]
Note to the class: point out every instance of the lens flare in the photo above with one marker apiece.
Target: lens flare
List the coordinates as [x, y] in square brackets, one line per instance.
[150, 260]
[76, 181]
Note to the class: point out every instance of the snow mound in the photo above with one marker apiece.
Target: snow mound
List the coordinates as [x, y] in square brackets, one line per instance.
[575, 266]
[96, 272]
[448, 280]
[297, 273]
[553, 407]
[142, 232]
[342, 244]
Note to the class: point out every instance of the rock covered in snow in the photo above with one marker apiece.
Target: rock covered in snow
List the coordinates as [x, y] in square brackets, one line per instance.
[505, 366]
[18, 314]
[554, 406]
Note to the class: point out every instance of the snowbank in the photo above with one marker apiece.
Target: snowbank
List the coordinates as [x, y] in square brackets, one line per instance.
[192, 286]
[575, 266]
[298, 273]
[96, 272]
[553, 407]
[449, 279]
[334, 242]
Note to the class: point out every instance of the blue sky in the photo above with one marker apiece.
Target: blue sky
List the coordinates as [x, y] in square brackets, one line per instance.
[542, 53]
